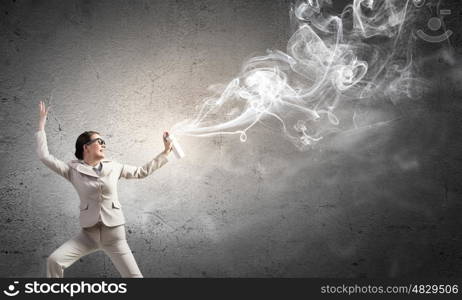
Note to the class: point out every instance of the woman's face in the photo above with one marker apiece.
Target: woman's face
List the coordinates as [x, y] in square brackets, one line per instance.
[95, 150]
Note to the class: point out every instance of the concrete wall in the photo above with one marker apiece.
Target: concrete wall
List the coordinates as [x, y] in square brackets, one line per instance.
[377, 202]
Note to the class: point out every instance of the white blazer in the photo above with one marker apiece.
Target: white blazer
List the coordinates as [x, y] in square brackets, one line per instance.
[97, 193]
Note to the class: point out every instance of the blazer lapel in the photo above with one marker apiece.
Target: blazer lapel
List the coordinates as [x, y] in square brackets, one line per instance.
[107, 168]
[86, 170]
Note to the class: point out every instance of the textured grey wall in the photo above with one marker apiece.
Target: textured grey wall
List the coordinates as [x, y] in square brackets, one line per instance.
[383, 201]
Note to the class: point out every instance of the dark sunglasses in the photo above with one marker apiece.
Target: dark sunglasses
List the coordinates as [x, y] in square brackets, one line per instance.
[100, 141]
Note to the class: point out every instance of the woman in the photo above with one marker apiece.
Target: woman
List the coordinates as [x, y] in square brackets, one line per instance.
[101, 216]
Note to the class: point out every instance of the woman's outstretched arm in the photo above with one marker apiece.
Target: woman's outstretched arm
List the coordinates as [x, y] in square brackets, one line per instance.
[42, 147]
[132, 172]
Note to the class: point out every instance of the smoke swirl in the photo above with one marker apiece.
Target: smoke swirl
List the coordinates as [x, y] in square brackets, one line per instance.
[331, 61]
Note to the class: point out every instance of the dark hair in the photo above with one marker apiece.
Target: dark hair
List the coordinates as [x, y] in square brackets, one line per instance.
[82, 140]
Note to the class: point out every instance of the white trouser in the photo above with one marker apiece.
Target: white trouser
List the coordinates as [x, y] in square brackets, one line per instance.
[111, 240]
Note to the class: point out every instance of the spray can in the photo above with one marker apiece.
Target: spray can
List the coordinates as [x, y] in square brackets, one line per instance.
[176, 148]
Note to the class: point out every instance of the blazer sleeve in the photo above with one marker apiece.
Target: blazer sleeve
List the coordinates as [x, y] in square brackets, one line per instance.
[49, 160]
[132, 172]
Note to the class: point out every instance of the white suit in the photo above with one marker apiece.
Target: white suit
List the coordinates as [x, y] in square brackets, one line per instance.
[101, 216]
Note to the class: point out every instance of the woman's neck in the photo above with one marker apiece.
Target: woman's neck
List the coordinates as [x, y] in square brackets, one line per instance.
[92, 162]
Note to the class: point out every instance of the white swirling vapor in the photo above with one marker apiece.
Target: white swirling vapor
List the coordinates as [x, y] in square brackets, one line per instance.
[361, 53]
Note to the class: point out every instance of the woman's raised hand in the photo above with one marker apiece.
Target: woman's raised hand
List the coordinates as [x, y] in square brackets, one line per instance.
[43, 115]
[167, 143]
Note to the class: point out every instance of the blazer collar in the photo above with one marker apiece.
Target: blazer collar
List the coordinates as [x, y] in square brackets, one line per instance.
[88, 170]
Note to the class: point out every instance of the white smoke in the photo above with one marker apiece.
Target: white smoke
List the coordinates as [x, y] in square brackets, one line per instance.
[331, 61]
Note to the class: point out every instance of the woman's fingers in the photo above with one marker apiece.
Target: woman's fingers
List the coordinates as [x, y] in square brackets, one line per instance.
[167, 143]
[43, 109]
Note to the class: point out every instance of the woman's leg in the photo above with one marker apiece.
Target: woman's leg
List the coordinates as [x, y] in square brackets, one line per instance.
[114, 243]
[81, 245]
